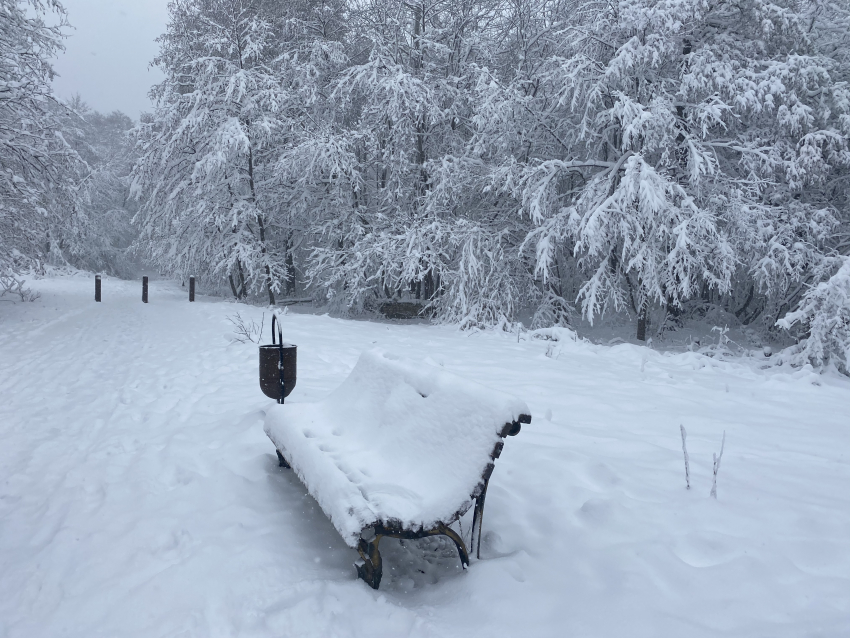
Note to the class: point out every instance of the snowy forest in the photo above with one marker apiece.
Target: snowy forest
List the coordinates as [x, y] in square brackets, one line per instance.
[290, 288]
[559, 160]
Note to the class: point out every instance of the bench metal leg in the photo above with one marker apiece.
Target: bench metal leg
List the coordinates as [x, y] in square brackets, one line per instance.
[281, 462]
[458, 541]
[478, 520]
[370, 566]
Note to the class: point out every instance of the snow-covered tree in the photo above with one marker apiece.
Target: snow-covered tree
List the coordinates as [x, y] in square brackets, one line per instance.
[405, 217]
[230, 99]
[492, 157]
[103, 231]
[38, 169]
[675, 144]
[824, 317]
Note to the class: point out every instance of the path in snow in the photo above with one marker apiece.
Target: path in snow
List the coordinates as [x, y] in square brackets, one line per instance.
[140, 497]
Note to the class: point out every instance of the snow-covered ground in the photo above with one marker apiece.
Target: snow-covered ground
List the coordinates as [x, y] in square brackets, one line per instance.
[139, 495]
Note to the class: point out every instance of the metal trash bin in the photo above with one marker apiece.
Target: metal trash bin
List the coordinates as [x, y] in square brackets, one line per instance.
[274, 359]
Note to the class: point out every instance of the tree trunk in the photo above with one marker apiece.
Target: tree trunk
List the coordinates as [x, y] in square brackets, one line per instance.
[243, 292]
[429, 285]
[641, 323]
[290, 273]
[418, 31]
[269, 285]
[260, 223]
[290, 266]
[740, 313]
[641, 326]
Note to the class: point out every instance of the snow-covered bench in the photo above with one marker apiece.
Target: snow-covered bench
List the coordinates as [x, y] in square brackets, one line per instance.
[400, 449]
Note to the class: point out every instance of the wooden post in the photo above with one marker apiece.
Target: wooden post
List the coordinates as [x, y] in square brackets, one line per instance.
[191, 289]
[97, 287]
[144, 289]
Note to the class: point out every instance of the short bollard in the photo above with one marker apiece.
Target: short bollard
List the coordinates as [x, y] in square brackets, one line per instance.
[191, 289]
[144, 289]
[97, 287]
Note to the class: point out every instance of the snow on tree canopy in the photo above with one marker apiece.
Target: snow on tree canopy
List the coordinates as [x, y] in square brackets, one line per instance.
[399, 442]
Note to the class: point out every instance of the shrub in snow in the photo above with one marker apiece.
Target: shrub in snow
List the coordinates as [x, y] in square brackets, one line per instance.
[246, 330]
[824, 315]
[11, 284]
[555, 333]
[556, 336]
[553, 310]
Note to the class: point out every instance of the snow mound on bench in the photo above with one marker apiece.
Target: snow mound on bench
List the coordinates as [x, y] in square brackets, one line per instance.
[397, 442]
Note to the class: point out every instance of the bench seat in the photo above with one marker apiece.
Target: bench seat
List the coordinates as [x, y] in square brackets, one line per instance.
[399, 447]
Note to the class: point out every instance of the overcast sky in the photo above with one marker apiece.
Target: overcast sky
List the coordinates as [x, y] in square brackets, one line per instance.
[108, 52]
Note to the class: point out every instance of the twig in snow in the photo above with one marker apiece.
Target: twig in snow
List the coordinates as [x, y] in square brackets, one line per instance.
[246, 330]
[9, 283]
[716, 467]
[687, 462]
